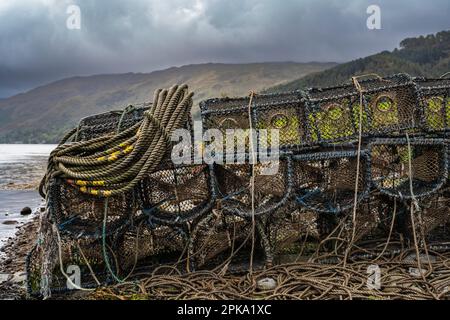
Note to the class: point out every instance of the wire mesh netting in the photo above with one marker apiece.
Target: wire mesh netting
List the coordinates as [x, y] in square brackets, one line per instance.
[82, 215]
[333, 114]
[289, 229]
[272, 186]
[388, 105]
[216, 238]
[112, 122]
[83, 256]
[147, 244]
[274, 111]
[434, 100]
[409, 168]
[108, 122]
[325, 181]
[392, 104]
[429, 225]
[177, 194]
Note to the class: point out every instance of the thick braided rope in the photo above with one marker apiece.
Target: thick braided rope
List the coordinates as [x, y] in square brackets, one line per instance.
[114, 164]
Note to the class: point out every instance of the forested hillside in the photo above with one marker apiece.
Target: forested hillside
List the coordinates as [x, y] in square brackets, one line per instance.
[422, 56]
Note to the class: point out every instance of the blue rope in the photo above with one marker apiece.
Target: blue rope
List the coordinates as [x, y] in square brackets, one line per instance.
[105, 254]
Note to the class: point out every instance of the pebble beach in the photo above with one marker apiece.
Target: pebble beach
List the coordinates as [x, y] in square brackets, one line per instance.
[21, 167]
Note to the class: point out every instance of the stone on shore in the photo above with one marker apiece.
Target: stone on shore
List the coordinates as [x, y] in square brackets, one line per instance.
[19, 277]
[266, 284]
[4, 277]
[25, 211]
[10, 222]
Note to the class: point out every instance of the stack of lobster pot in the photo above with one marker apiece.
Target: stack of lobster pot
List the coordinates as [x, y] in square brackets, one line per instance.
[372, 150]
[143, 228]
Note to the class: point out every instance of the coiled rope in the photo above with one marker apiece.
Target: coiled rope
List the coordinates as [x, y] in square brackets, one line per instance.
[113, 164]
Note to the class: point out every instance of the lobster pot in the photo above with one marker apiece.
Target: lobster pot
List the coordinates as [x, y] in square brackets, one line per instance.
[333, 114]
[404, 170]
[232, 118]
[433, 221]
[217, 237]
[108, 122]
[113, 121]
[325, 181]
[82, 215]
[293, 232]
[282, 114]
[388, 106]
[279, 112]
[392, 104]
[82, 257]
[176, 194]
[436, 218]
[373, 220]
[145, 244]
[272, 186]
[434, 102]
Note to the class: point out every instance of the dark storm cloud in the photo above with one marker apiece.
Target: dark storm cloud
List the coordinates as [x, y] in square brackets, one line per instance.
[141, 36]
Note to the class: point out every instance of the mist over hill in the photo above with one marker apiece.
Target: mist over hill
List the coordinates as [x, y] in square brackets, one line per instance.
[42, 115]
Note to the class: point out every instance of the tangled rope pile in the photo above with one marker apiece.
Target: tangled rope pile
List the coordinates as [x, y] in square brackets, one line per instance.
[399, 279]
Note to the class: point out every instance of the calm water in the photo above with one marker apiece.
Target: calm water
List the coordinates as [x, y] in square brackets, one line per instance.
[20, 164]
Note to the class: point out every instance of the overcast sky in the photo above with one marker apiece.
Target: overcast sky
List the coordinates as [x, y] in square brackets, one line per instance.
[117, 36]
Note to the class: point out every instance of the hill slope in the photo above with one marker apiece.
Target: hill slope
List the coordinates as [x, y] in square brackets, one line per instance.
[43, 114]
[421, 56]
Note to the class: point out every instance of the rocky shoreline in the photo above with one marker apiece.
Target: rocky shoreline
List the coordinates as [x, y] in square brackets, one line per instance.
[13, 261]
[20, 186]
